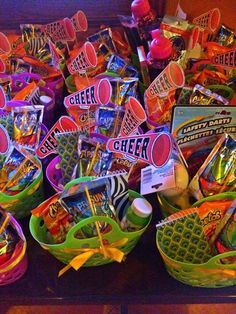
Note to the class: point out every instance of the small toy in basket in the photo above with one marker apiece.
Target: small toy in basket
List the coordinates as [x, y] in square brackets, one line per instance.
[13, 258]
[96, 238]
[184, 241]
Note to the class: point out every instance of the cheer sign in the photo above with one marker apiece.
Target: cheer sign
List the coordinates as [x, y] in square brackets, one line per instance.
[152, 148]
[49, 143]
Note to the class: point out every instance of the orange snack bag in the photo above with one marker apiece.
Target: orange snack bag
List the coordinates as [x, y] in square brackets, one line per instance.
[211, 213]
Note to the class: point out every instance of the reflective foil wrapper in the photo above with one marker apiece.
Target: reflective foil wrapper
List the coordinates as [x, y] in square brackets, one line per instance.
[119, 66]
[94, 160]
[18, 172]
[109, 120]
[217, 174]
[6, 84]
[27, 125]
[103, 37]
[203, 96]
[8, 238]
[122, 89]
[78, 205]
[225, 37]
[36, 42]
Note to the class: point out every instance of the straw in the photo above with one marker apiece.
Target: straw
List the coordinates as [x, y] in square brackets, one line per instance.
[96, 223]
[5, 222]
[93, 160]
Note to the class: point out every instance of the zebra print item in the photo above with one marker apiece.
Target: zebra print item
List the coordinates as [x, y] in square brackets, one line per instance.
[36, 44]
[34, 97]
[118, 189]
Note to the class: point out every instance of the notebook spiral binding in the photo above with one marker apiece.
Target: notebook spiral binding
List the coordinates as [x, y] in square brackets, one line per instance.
[177, 216]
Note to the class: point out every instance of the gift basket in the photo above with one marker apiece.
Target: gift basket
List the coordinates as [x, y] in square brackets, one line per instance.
[111, 241]
[189, 240]
[21, 176]
[13, 258]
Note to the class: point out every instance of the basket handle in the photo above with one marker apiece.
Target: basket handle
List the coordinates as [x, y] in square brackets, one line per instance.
[215, 261]
[22, 78]
[115, 229]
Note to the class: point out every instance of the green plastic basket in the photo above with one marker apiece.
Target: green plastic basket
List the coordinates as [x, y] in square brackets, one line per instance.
[72, 246]
[21, 204]
[187, 255]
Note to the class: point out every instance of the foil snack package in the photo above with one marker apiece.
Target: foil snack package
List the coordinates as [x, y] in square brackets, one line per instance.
[103, 37]
[203, 96]
[122, 89]
[178, 31]
[8, 238]
[109, 120]
[27, 125]
[217, 174]
[225, 37]
[78, 205]
[94, 160]
[19, 171]
[120, 67]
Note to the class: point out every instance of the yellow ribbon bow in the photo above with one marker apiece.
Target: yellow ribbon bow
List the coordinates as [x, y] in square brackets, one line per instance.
[108, 250]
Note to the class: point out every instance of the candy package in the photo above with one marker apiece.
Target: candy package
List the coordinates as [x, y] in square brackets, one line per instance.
[217, 173]
[84, 117]
[211, 213]
[78, 200]
[225, 36]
